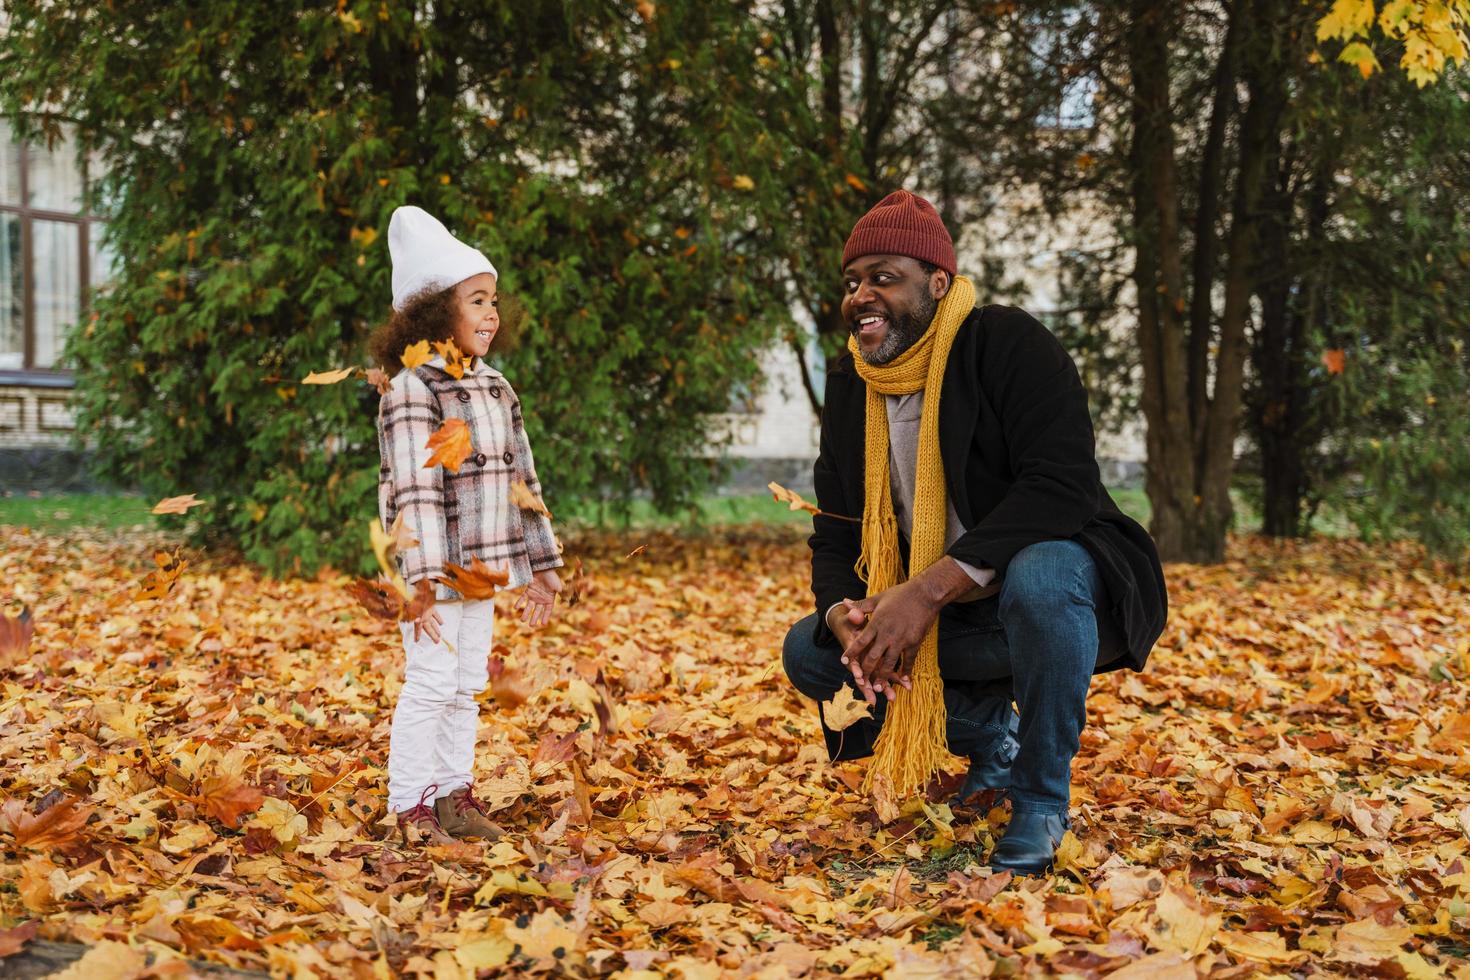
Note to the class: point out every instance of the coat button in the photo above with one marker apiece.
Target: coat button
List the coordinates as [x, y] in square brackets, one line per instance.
[481, 459]
[464, 396]
[494, 392]
[509, 457]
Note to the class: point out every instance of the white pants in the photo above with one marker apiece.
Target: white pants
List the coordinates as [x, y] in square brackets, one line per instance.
[432, 746]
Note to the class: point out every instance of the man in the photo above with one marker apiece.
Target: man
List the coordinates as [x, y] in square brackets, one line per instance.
[1034, 577]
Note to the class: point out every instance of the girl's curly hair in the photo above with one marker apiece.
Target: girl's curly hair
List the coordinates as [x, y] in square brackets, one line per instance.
[430, 315]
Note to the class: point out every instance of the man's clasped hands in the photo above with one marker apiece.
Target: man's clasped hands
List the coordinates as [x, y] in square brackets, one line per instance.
[880, 636]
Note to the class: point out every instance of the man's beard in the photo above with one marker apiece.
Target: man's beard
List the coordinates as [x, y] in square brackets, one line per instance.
[904, 332]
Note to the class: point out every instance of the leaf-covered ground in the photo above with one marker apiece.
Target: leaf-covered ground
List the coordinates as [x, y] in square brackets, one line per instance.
[1286, 791]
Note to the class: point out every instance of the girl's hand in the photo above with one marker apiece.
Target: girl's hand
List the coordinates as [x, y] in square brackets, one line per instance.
[429, 621]
[536, 603]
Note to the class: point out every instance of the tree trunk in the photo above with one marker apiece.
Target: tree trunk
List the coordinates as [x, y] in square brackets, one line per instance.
[1192, 424]
[1181, 528]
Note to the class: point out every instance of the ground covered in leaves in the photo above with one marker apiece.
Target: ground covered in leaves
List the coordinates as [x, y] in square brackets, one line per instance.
[1287, 790]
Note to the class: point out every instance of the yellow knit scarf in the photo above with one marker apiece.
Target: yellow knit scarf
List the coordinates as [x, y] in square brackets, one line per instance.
[912, 745]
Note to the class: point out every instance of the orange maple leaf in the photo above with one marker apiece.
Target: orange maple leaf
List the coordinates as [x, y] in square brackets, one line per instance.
[227, 798]
[479, 581]
[176, 505]
[1334, 360]
[451, 445]
[379, 379]
[56, 826]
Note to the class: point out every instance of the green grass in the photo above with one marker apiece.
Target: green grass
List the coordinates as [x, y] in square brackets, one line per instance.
[101, 510]
[76, 510]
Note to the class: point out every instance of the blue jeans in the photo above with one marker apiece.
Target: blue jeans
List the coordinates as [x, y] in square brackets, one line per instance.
[1037, 642]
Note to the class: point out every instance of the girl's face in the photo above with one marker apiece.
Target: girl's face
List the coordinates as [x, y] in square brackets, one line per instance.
[478, 307]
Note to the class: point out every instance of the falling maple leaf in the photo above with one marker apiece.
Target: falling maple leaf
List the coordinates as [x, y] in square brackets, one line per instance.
[479, 581]
[646, 10]
[637, 551]
[176, 505]
[522, 497]
[416, 355]
[797, 502]
[508, 685]
[743, 182]
[578, 583]
[15, 637]
[380, 597]
[161, 581]
[379, 379]
[845, 710]
[783, 496]
[328, 377]
[455, 363]
[1334, 360]
[387, 545]
[451, 445]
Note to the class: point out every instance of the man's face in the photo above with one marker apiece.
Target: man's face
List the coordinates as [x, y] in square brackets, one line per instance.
[888, 302]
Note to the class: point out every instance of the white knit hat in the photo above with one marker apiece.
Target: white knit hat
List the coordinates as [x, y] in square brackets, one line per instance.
[426, 256]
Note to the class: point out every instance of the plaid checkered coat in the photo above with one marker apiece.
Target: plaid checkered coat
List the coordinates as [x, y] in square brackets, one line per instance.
[464, 515]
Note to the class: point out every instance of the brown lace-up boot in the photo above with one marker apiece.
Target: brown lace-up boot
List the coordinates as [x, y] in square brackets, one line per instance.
[419, 823]
[461, 815]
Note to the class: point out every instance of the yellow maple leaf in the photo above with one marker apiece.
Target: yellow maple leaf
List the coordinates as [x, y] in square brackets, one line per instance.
[328, 377]
[844, 710]
[415, 355]
[783, 496]
[744, 183]
[451, 445]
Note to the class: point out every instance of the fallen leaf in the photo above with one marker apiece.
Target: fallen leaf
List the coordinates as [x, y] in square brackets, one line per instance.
[56, 826]
[14, 940]
[227, 798]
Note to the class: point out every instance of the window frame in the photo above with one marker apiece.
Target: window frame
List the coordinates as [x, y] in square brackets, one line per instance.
[26, 214]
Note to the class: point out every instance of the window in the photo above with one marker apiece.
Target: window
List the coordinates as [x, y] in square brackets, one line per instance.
[51, 254]
[1062, 38]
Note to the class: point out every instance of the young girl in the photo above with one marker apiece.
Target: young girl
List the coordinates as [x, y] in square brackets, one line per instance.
[444, 290]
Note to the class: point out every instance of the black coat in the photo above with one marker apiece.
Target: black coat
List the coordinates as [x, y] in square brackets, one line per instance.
[1019, 466]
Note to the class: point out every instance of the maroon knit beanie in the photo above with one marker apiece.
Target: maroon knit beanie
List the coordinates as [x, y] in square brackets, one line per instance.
[902, 224]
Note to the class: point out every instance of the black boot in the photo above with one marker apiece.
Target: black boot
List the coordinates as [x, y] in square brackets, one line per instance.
[1030, 843]
[992, 771]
